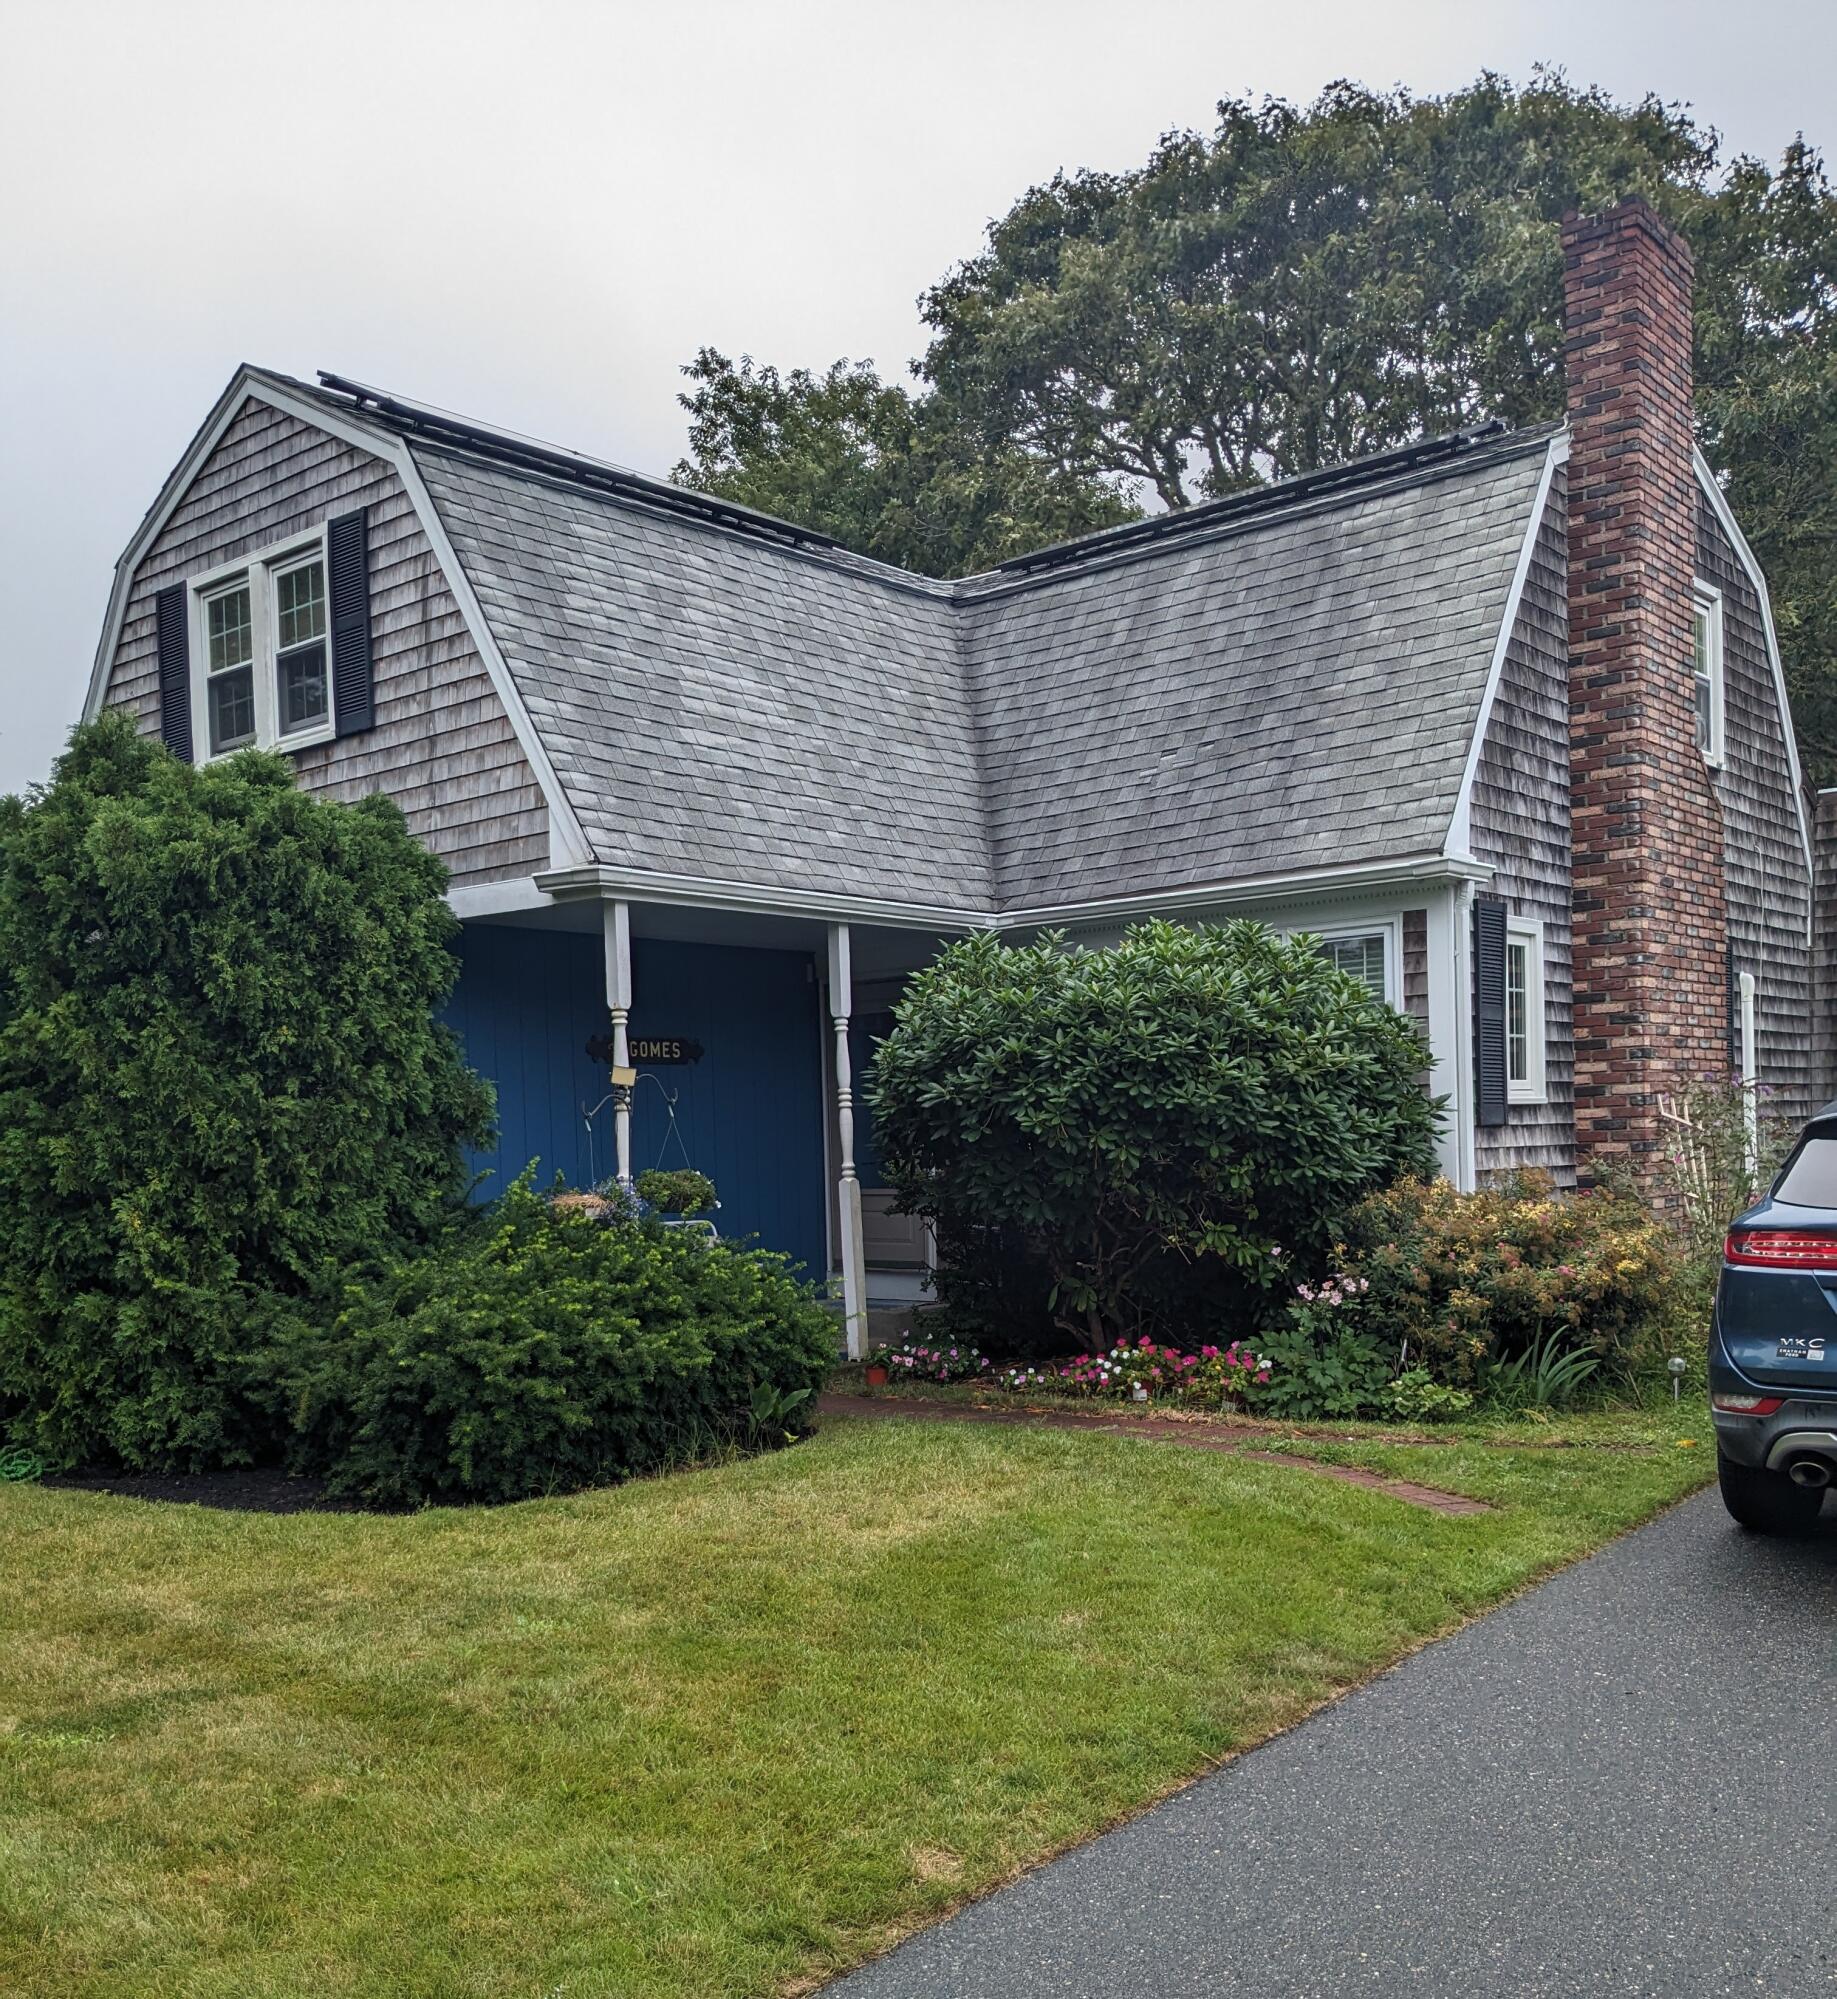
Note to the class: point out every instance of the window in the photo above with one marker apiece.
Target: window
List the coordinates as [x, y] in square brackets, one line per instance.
[229, 657]
[1524, 1010]
[1362, 956]
[262, 637]
[302, 697]
[1706, 666]
[1810, 1176]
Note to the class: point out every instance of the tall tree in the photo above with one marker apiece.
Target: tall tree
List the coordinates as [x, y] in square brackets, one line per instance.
[1304, 284]
[890, 474]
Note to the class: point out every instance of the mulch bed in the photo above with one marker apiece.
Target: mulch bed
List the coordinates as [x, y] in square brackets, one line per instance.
[244, 1491]
[1155, 1429]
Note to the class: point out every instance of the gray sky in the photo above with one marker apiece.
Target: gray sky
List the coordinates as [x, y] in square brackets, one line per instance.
[535, 213]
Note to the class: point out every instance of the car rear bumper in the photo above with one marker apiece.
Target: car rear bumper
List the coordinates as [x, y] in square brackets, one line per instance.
[1796, 1429]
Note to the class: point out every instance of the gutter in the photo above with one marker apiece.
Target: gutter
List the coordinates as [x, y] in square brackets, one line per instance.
[696, 891]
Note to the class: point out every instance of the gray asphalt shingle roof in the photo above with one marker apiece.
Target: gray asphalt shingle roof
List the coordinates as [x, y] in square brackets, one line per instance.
[1280, 690]
[1298, 693]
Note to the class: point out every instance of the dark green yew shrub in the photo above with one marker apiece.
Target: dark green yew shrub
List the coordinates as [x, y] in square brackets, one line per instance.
[219, 1070]
[1166, 1132]
[536, 1349]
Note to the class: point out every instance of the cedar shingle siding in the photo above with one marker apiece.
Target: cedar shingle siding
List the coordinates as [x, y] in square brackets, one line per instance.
[442, 746]
[1520, 824]
[1769, 895]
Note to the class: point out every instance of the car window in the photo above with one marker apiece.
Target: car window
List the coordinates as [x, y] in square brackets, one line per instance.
[1810, 1177]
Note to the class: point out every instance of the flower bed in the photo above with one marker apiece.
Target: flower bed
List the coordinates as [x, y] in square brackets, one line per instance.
[1146, 1372]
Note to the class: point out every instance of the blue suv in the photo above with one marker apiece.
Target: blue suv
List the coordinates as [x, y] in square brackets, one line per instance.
[1773, 1344]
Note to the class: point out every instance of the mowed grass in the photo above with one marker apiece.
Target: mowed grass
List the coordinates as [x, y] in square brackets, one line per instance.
[712, 1734]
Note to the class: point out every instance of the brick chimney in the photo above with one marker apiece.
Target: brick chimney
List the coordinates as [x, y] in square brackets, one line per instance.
[1651, 923]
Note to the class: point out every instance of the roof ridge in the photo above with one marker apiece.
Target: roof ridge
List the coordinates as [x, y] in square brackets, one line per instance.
[1478, 444]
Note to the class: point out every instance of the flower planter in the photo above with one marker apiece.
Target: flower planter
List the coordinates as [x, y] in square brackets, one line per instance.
[877, 1377]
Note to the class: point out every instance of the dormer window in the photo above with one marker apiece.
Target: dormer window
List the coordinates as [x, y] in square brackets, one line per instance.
[1706, 636]
[264, 677]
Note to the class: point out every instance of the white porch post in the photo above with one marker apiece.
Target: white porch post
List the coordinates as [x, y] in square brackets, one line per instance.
[1451, 1028]
[1748, 987]
[615, 920]
[848, 1188]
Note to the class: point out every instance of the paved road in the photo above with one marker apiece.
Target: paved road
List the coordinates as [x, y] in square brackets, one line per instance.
[1625, 1783]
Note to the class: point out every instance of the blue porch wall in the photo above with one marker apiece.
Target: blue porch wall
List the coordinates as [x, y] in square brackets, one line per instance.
[750, 1111]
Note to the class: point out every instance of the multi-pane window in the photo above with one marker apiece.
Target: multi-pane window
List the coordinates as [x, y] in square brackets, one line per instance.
[1524, 1010]
[230, 668]
[1361, 956]
[1706, 669]
[263, 651]
[302, 698]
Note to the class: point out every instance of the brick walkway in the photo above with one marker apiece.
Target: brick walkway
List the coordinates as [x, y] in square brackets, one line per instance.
[1155, 1429]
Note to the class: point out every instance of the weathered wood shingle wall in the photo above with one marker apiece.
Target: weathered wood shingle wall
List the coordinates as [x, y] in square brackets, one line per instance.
[1769, 894]
[1824, 951]
[1521, 826]
[442, 747]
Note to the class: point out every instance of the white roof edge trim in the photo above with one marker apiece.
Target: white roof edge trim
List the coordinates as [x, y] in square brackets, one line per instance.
[705, 892]
[1745, 555]
[567, 841]
[1366, 876]
[754, 898]
[1460, 825]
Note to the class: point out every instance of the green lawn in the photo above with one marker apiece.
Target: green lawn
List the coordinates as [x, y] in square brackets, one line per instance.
[706, 1735]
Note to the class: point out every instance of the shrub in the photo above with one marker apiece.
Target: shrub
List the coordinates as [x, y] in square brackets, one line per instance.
[1417, 1397]
[219, 1068]
[1153, 1125]
[1713, 1164]
[537, 1350]
[676, 1191]
[1463, 1283]
[1323, 1369]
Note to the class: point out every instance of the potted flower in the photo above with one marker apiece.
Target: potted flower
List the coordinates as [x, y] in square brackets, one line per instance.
[876, 1370]
[676, 1194]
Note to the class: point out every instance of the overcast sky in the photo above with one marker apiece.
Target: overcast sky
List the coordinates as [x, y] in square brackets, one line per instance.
[534, 213]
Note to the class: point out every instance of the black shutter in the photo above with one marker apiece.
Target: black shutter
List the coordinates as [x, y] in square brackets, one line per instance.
[347, 563]
[174, 618]
[1489, 1009]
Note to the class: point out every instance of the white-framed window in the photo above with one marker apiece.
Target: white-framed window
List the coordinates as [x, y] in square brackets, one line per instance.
[1524, 1010]
[1365, 955]
[1706, 667]
[261, 650]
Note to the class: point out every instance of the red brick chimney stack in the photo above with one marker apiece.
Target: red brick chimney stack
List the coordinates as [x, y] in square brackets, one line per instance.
[1651, 926]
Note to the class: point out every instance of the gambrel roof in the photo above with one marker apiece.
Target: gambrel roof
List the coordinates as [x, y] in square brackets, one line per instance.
[1288, 680]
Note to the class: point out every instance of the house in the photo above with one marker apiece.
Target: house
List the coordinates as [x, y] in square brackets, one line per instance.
[1499, 717]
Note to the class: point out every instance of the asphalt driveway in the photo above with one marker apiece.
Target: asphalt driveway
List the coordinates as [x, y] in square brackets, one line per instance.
[1625, 1782]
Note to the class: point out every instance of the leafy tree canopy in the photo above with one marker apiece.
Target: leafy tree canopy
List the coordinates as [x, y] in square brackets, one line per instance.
[219, 1071]
[890, 474]
[1299, 286]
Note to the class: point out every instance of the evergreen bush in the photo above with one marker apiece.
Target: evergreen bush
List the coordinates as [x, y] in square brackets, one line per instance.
[535, 1349]
[1162, 1130]
[220, 1069]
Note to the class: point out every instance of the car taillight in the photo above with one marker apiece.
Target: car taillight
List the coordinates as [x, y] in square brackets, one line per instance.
[1748, 1405]
[1780, 1249]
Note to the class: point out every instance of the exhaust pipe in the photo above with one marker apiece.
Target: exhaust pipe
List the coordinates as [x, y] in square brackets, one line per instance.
[1811, 1473]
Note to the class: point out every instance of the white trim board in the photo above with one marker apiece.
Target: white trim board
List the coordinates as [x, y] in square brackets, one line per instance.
[567, 841]
[1358, 878]
[1460, 826]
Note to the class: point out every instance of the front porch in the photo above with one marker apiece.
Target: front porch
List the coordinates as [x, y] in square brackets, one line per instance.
[744, 1037]
[739, 1034]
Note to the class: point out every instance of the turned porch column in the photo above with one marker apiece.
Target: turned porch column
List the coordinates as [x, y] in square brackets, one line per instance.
[848, 1187]
[616, 923]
